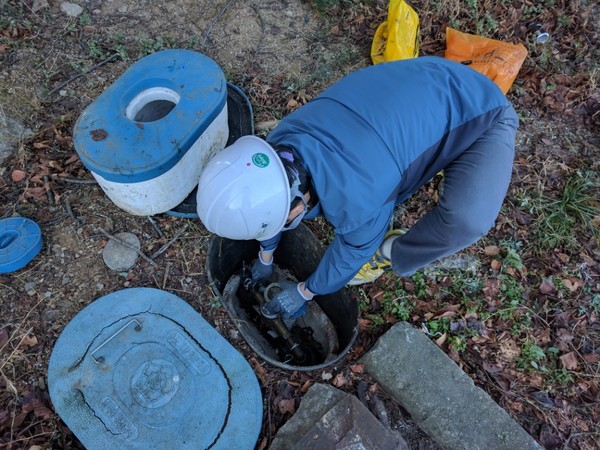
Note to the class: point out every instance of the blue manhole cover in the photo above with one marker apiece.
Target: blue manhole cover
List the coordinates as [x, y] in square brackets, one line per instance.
[140, 368]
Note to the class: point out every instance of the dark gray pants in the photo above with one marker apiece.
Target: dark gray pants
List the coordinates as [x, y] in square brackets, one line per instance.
[475, 185]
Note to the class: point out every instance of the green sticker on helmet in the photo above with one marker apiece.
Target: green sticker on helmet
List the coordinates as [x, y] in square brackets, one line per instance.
[260, 160]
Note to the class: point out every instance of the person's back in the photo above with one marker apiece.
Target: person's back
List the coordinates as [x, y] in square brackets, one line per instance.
[378, 134]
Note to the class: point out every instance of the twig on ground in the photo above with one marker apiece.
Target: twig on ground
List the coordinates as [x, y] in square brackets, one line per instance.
[262, 33]
[128, 245]
[166, 277]
[76, 181]
[574, 435]
[49, 193]
[213, 23]
[168, 244]
[70, 212]
[79, 75]
[155, 226]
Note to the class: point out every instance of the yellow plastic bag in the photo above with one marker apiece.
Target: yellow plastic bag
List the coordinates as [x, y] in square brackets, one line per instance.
[398, 36]
[499, 61]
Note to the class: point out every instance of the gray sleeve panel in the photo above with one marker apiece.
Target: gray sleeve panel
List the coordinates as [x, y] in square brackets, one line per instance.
[475, 185]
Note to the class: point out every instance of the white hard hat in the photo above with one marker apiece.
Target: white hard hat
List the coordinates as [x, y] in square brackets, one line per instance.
[244, 191]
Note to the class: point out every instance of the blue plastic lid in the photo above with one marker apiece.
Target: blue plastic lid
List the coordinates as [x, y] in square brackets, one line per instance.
[134, 149]
[140, 368]
[20, 242]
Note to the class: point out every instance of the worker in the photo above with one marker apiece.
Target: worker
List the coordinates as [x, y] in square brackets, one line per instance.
[351, 154]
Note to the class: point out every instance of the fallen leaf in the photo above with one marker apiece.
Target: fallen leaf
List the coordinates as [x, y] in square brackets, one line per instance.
[18, 175]
[357, 368]
[306, 386]
[592, 358]
[491, 250]
[37, 6]
[36, 192]
[547, 286]
[495, 264]
[30, 341]
[492, 287]
[572, 284]
[509, 349]
[263, 444]
[441, 340]
[549, 437]
[364, 324]
[569, 361]
[581, 424]
[564, 336]
[446, 314]
[287, 406]
[515, 406]
[40, 145]
[340, 380]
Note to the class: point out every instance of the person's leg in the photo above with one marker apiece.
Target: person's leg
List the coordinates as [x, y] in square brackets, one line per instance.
[474, 188]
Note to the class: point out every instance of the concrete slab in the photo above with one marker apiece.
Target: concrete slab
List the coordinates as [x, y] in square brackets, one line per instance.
[329, 419]
[439, 396]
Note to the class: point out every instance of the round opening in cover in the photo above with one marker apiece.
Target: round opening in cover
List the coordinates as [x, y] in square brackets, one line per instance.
[152, 104]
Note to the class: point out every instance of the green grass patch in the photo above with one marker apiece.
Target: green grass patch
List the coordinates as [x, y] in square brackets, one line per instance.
[397, 303]
[576, 210]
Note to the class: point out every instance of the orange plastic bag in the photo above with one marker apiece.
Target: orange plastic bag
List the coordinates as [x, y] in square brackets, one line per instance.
[499, 61]
[398, 36]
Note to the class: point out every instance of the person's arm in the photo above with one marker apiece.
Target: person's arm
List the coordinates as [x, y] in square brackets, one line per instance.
[347, 254]
[262, 269]
[342, 260]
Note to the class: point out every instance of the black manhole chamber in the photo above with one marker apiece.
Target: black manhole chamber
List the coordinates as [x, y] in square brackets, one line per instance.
[333, 318]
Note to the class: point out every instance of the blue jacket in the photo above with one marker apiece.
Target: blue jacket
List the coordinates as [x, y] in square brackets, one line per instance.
[374, 138]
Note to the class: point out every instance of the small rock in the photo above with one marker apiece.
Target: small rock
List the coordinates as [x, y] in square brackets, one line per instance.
[11, 132]
[119, 257]
[49, 315]
[29, 286]
[71, 9]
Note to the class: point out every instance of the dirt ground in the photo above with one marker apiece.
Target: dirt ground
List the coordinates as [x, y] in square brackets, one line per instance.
[280, 52]
[261, 46]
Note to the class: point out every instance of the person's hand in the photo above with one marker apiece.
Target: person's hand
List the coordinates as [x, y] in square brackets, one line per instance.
[290, 303]
[261, 271]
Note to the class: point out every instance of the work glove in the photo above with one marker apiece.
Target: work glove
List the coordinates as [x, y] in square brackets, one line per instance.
[261, 271]
[289, 303]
